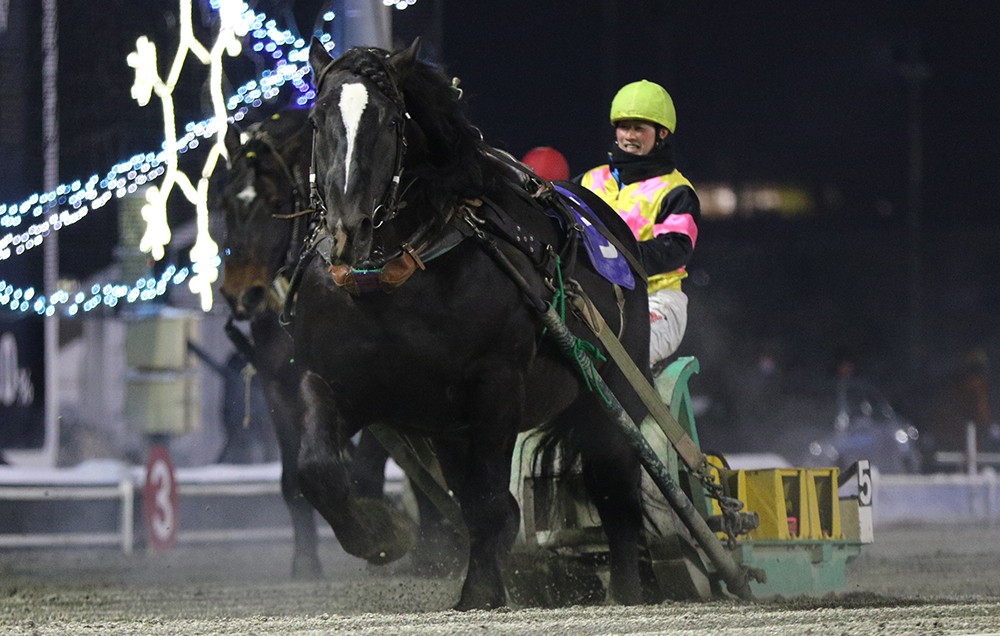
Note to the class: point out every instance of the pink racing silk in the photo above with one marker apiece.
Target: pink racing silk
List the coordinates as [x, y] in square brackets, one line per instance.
[678, 224]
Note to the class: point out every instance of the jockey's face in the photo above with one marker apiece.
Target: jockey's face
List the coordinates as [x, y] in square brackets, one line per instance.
[637, 137]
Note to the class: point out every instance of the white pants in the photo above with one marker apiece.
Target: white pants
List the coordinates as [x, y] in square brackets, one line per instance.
[668, 310]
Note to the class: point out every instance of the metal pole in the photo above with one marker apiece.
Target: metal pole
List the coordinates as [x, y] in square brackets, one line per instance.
[50, 266]
[971, 448]
[914, 73]
[735, 578]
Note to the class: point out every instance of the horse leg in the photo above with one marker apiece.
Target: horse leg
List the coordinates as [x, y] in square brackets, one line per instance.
[485, 496]
[368, 466]
[305, 559]
[442, 547]
[611, 473]
[278, 386]
[366, 528]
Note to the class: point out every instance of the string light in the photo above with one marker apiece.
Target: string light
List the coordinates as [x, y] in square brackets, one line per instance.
[24, 300]
[204, 253]
[399, 4]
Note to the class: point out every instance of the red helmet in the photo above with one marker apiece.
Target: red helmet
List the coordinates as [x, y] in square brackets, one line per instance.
[548, 163]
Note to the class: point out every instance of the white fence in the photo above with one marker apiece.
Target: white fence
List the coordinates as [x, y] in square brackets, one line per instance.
[123, 491]
[112, 483]
[945, 498]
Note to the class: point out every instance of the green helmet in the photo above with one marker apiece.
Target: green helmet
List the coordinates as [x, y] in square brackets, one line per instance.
[644, 100]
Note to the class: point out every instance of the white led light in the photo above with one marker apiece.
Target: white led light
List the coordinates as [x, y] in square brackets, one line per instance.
[233, 24]
[84, 196]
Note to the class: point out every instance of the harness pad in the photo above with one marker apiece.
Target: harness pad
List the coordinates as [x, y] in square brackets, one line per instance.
[605, 257]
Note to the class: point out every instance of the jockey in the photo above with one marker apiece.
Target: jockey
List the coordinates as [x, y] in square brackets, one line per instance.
[641, 182]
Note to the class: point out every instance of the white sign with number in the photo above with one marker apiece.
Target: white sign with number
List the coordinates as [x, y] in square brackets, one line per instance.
[866, 496]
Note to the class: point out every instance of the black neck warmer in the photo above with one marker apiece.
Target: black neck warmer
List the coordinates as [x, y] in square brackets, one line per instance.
[633, 168]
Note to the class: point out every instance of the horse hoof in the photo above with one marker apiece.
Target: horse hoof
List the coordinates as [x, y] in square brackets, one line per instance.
[464, 605]
[388, 534]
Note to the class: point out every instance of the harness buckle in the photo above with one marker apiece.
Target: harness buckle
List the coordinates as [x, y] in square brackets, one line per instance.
[376, 224]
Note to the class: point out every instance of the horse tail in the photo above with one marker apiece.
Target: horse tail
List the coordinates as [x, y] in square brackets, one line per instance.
[557, 446]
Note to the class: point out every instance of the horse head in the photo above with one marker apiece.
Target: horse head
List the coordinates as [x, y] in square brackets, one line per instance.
[388, 130]
[263, 196]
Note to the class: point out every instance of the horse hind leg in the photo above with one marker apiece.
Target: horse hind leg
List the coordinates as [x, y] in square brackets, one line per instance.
[367, 528]
[611, 473]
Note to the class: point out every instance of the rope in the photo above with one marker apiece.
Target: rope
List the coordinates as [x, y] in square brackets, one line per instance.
[247, 372]
[583, 348]
[579, 346]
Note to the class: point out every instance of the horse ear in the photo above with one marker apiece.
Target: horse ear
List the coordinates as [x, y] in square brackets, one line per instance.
[319, 57]
[232, 141]
[408, 56]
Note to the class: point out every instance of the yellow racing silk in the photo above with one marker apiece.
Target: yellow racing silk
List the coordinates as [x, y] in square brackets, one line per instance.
[639, 204]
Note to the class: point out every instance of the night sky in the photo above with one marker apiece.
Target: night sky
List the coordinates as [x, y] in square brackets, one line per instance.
[812, 95]
[809, 93]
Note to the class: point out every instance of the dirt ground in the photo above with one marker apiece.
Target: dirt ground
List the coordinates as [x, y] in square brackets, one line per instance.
[913, 580]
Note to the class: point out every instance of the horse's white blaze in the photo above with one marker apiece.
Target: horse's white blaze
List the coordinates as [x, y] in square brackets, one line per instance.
[353, 101]
[247, 194]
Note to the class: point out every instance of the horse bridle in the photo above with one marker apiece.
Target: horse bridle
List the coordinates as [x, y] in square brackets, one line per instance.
[390, 272]
[390, 204]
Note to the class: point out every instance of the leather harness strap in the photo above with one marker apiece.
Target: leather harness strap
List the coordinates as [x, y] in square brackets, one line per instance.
[686, 447]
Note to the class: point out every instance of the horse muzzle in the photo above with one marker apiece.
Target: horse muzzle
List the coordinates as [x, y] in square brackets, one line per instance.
[353, 246]
[245, 288]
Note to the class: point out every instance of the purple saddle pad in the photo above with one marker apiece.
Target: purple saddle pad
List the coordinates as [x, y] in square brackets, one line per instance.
[605, 257]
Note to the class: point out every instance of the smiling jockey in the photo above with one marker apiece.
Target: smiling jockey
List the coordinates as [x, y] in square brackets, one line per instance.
[641, 182]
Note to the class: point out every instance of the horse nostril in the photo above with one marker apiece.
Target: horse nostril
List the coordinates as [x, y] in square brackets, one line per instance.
[252, 298]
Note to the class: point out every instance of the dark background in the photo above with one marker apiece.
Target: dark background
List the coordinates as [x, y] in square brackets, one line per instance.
[894, 266]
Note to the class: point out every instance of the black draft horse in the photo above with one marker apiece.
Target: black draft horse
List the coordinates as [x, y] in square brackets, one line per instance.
[264, 198]
[406, 186]
[268, 175]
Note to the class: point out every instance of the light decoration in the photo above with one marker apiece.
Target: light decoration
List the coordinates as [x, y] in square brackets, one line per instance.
[399, 4]
[126, 177]
[204, 254]
[24, 300]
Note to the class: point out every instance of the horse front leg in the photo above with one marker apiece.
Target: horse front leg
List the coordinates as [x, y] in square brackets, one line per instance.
[366, 528]
[281, 381]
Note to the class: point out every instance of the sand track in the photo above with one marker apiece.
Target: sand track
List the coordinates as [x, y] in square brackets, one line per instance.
[914, 580]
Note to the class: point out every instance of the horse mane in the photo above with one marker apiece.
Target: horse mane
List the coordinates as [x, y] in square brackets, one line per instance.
[445, 151]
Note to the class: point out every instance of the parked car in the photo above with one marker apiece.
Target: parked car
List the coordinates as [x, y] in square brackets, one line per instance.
[866, 427]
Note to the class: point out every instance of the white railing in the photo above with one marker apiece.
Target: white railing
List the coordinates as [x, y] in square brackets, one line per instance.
[125, 487]
[948, 498]
[124, 491]
[970, 459]
[954, 498]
